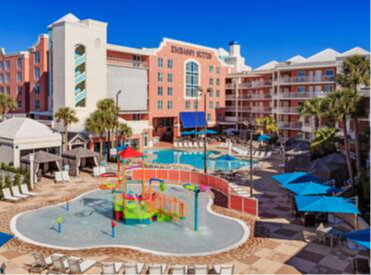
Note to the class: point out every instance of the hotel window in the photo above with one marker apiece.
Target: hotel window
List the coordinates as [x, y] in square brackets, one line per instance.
[329, 74]
[169, 105]
[192, 79]
[160, 77]
[170, 78]
[217, 93]
[19, 104]
[160, 91]
[208, 117]
[329, 88]
[300, 89]
[211, 69]
[37, 73]
[37, 104]
[37, 89]
[160, 105]
[170, 64]
[19, 90]
[136, 61]
[19, 63]
[160, 62]
[217, 104]
[195, 104]
[300, 75]
[218, 70]
[188, 105]
[19, 77]
[211, 105]
[1, 66]
[170, 91]
[211, 92]
[8, 90]
[1, 78]
[7, 78]
[211, 81]
[217, 82]
[7, 65]
[37, 57]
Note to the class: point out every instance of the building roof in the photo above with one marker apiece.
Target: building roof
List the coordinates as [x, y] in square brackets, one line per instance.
[296, 58]
[69, 17]
[41, 157]
[325, 55]
[20, 128]
[267, 66]
[355, 51]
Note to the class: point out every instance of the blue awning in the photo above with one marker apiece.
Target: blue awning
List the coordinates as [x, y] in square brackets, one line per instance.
[310, 188]
[4, 238]
[325, 204]
[188, 120]
[297, 177]
[361, 237]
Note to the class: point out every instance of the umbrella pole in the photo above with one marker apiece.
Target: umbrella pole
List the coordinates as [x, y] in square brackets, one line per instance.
[123, 190]
[143, 179]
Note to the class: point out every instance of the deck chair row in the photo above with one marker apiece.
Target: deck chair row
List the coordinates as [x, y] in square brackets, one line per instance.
[15, 194]
[62, 176]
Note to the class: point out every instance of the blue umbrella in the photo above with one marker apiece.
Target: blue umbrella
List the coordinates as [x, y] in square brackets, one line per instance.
[4, 238]
[361, 237]
[310, 188]
[186, 133]
[120, 148]
[264, 138]
[297, 177]
[226, 157]
[325, 204]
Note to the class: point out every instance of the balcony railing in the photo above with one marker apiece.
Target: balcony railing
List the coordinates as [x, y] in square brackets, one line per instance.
[127, 62]
[79, 77]
[287, 110]
[261, 109]
[258, 84]
[79, 59]
[260, 96]
[289, 125]
[306, 79]
[230, 86]
[230, 97]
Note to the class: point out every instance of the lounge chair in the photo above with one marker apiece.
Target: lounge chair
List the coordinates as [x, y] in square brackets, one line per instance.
[156, 268]
[201, 269]
[96, 171]
[185, 145]
[175, 144]
[66, 176]
[195, 144]
[41, 263]
[24, 190]
[180, 145]
[179, 269]
[361, 266]
[59, 265]
[190, 145]
[58, 177]
[133, 268]
[224, 269]
[17, 194]
[201, 144]
[111, 268]
[79, 267]
[8, 196]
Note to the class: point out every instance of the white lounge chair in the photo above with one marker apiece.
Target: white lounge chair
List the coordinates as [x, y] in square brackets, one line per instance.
[133, 268]
[185, 144]
[157, 268]
[179, 269]
[96, 171]
[190, 145]
[8, 195]
[66, 176]
[224, 269]
[201, 144]
[17, 194]
[24, 190]
[111, 268]
[79, 267]
[40, 264]
[59, 265]
[201, 269]
[102, 170]
[58, 177]
[180, 145]
[195, 145]
[175, 145]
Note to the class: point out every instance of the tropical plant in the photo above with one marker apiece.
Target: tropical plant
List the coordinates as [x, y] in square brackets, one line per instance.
[316, 108]
[8, 182]
[67, 116]
[324, 143]
[269, 123]
[7, 103]
[124, 131]
[95, 124]
[355, 72]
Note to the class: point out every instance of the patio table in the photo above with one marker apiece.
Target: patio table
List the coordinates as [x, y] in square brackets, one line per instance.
[334, 233]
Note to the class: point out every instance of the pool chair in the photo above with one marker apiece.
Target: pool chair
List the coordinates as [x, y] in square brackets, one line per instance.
[133, 268]
[175, 144]
[195, 144]
[180, 145]
[111, 268]
[179, 269]
[58, 177]
[59, 265]
[185, 145]
[156, 269]
[201, 269]
[66, 176]
[41, 263]
[8, 196]
[79, 267]
[201, 144]
[17, 194]
[24, 190]
[224, 269]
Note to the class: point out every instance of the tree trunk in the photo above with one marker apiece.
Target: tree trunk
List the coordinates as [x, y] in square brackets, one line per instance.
[101, 147]
[347, 151]
[65, 137]
[358, 147]
[109, 146]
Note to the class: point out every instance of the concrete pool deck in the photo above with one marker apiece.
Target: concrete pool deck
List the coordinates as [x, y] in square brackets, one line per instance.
[279, 243]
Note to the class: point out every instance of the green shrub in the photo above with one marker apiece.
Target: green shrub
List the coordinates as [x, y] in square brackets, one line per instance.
[8, 183]
[1, 188]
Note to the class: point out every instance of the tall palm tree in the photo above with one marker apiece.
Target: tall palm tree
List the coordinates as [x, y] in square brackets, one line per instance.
[7, 103]
[124, 131]
[94, 124]
[324, 142]
[355, 72]
[67, 116]
[341, 106]
[314, 107]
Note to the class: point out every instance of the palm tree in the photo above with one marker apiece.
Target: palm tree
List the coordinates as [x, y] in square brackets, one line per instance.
[324, 142]
[94, 124]
[341, 106]
[67, 116]
[314, 107]
[355, 72]
[124, 131]
[7, 103]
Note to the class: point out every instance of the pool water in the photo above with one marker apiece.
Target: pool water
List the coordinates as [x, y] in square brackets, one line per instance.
[87, 224]
[196, 159]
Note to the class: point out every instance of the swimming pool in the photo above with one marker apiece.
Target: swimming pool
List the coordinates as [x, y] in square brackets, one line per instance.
[196, 159]
[87, 224]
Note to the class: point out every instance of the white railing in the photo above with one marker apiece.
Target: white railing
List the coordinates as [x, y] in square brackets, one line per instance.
[261, 109]
[230, 86]
[289, 125]
[126, 62]
[306, 79]
[260, 96]
[257, 84]
[287, 110]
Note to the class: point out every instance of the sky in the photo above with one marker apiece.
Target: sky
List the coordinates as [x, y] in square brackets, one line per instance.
[266, 29]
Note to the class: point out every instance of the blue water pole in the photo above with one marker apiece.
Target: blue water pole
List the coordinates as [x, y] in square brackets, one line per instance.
[196, 209]
[68, 206]
[59, 227]
[113, 231]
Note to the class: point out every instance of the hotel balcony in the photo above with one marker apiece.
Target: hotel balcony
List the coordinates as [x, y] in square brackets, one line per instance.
[79, 77]
[230, 86]
[305, 79]
[260, 96]
[289, 125]
[126, 62]
[79, 59]
[261, 109]
[230, 97]
[230, 119]
[253, 85]
[287, 110]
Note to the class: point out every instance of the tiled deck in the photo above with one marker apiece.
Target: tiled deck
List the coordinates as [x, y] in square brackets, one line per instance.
[279, 243]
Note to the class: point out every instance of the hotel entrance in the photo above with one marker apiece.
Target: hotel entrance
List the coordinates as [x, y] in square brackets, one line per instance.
[164, 128]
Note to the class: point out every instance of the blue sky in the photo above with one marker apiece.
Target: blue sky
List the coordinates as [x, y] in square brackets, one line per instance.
[266, 29]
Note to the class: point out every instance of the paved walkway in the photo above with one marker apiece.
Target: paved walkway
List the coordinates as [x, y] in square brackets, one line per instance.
[279, 243]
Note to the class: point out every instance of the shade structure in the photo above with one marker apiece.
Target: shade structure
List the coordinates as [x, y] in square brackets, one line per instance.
[326, 171]
[4, 238]
[325, 204]
[189, 120]
[44, 162]
[129, 152]
[336, 158]
[41, 157]
[296, 158]
[297, 177]
[226, 157]
[310, 188]
[264, 138]
[79, 158]
[361, 237]
[208, 131]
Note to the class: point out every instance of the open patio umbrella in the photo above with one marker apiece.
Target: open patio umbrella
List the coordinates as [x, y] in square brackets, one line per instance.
[186, 133]
[325, 204]
[310, 188]
[264, 138]
[361, 237]
[297, 177]
[226, 157]
[4, 238]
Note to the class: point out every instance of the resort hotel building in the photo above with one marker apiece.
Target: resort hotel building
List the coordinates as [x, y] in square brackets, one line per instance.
[157, 89]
